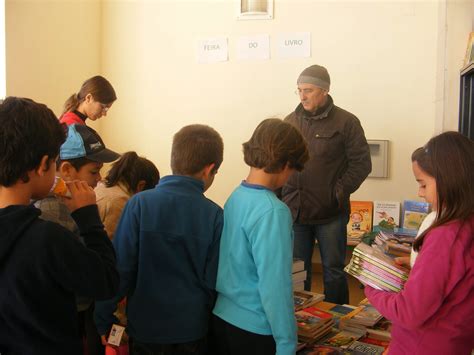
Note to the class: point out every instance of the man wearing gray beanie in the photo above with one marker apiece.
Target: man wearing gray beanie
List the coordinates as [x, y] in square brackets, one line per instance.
[318, 197]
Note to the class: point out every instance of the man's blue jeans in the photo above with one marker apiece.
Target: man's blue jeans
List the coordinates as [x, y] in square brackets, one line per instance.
[332, 241]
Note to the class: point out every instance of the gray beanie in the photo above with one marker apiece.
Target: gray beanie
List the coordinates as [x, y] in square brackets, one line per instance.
[316, 75]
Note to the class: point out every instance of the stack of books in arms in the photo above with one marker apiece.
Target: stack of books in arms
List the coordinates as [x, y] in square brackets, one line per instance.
[304, 299]
[393, 244]
[299, 275]
[313, 324]
[374, 268]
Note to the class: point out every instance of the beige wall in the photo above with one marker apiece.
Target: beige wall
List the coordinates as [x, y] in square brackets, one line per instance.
[52, 46]
[387, 60]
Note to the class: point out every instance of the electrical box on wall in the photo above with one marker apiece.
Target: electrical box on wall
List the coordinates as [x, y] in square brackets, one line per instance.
[379, 156]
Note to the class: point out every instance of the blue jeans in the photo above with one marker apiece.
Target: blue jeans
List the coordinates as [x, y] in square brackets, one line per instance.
[332, 241]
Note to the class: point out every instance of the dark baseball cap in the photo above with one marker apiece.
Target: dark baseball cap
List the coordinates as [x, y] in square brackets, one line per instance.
[84, 142]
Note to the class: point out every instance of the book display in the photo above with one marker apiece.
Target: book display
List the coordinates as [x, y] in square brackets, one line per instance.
[360, 220]
[413, 213]
[362, 329]
[386, 215]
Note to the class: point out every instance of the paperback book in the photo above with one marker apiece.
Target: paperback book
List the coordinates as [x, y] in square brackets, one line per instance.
[360, 221]
[413, 213]
[386, 215]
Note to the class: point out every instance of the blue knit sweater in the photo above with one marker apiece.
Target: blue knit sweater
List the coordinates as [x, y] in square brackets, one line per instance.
[255, 290]
[167, 246]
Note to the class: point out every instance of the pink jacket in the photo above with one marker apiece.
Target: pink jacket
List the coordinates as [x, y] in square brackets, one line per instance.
[434, 314]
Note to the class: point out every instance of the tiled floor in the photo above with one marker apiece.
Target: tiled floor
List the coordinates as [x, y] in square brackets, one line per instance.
[356, 293]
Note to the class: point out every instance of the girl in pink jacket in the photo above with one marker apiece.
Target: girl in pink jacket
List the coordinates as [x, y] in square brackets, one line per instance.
[434, 313]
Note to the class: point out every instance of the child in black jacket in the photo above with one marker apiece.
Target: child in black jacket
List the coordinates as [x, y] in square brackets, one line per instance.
[42, 265]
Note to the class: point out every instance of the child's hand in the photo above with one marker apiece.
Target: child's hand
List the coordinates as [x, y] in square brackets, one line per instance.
[103, 340]
[81, 195]
[403, 261]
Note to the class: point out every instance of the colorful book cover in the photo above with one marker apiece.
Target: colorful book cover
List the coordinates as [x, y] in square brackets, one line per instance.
[322, 349]
[360, 220]
[343, 339]
[358, 347]
[386, 215]
[414, 212]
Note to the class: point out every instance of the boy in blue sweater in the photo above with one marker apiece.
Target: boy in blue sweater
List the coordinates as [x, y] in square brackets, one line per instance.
[254, 311]
[167, 245]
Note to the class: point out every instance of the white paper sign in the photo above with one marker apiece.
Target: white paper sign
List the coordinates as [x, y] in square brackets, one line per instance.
[294, 45]
[253, 47]
[212, 50]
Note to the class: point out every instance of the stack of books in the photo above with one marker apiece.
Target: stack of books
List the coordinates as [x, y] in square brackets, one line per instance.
[313, 324]
[338, 311]
[367, 316]
[361, 347]
[374, 268]
[299, 275]
[344, 338]
[305, 299]
[393, 244]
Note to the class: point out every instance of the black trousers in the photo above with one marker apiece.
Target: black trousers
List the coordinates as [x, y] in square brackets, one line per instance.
[227, 339]
[198, 347]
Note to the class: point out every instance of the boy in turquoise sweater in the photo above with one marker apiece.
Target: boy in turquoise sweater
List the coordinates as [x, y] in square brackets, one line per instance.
[254, 312]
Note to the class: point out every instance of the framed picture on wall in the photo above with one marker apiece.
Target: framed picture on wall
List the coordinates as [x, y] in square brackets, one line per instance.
[255, 10]
[469, 58]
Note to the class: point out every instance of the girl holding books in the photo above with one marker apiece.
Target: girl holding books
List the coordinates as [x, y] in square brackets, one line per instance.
[435, 311]
[93, 100]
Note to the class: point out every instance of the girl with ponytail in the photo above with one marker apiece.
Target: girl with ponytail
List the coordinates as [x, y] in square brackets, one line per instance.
[93, 100]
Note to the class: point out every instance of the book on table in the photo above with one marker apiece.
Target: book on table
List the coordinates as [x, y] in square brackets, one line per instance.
[304, 299]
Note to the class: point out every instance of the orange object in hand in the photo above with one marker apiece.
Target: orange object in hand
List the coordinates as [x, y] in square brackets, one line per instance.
[60, 188]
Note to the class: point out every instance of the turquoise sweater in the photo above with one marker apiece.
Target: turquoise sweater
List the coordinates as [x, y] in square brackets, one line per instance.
[254, 275]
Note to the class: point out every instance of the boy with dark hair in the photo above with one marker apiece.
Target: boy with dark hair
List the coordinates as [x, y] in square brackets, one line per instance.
[254, 312]
[81, 157]
[167, 245]
[42, 265]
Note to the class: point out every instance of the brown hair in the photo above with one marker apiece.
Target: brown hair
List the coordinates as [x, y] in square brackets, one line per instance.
[275, 143]
[130, 169]
[449, 159]
[28, 131]
[100, 89]
[194, 147]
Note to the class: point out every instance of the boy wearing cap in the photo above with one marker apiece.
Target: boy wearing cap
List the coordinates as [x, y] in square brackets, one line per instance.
[318, 197]
[42, 265]
[167, 245]
[80, 158]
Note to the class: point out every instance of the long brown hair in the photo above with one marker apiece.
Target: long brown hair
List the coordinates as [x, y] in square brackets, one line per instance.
[100, 89]
[449, 159]
[130, 169]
